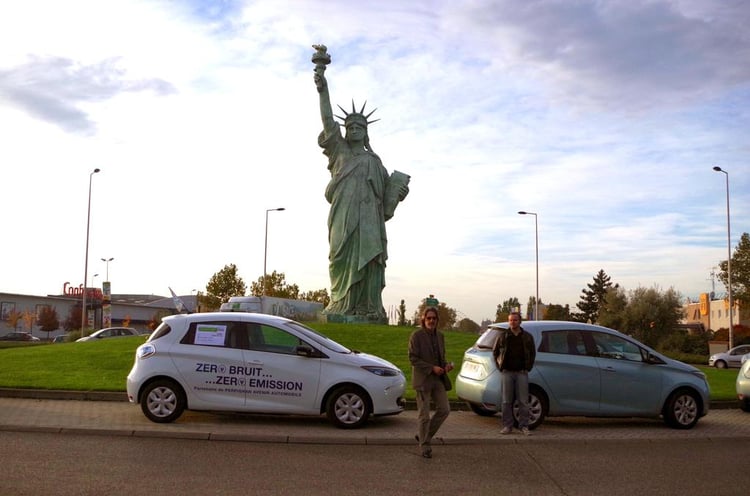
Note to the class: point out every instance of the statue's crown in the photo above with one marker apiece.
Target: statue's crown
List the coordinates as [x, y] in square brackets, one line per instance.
[356, 117]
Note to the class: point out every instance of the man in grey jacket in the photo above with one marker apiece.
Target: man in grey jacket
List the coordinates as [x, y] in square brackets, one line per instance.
[429, 377]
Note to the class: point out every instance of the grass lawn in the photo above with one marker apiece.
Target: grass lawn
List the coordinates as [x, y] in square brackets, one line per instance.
[103, 365]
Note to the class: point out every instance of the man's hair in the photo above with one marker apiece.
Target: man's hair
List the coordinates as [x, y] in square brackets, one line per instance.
[517, 314]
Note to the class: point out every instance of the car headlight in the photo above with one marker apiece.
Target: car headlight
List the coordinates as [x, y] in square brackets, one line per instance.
[145, 351]
[382, 371]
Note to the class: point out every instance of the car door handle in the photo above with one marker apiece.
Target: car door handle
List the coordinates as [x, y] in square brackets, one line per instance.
[609, 369]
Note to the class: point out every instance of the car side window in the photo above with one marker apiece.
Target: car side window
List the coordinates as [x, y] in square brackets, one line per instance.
[617, 348]
[563, 342]
[211, 334]
[274, 340]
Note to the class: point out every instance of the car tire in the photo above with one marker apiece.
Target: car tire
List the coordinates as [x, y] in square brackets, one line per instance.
[348, 407]
[537, 408]
[481, 411]
[745, 405]
[163, 401]
[682, 409]
[720, 364]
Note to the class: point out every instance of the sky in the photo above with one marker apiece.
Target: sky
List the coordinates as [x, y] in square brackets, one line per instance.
[605, 118]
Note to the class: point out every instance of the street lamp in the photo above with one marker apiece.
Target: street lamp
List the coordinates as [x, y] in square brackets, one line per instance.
[84, 311]
[107, 260]
[536, 236]
[265, 250]
[92, 280]
[729, 261]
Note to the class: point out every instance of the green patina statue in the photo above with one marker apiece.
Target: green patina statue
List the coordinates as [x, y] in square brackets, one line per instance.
[362, 196]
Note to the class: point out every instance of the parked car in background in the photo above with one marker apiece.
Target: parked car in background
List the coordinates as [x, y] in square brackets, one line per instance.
[109, 332]
[743, 385]
[729, 359]
[588, 370]
[60, 339]
[251, 362]
[19, 336]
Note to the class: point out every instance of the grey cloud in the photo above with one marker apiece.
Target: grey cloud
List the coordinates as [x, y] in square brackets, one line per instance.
[53, 89]
[639, 52]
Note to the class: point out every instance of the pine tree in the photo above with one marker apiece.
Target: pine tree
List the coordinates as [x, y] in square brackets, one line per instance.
[594, 298]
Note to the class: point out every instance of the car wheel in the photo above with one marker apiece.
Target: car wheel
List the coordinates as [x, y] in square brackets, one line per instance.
[348, 408]
[537, 408]
[481, 411]
[720, 364]
[745, 405]
[163, 401]
[681, 410]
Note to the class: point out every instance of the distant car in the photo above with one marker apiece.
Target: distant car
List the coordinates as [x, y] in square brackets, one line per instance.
[250, 362]
[743, 385]
[588, 370]
[109, 332]
[729, 359]
[19, 336]
[60, 339]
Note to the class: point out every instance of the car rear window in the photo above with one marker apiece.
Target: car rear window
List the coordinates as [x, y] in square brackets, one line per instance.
[160, 331]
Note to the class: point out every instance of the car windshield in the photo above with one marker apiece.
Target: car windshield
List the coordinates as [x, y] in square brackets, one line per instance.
[319, 338]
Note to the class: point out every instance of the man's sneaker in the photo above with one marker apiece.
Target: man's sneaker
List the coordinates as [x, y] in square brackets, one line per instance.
[506, 430]
[525, 431]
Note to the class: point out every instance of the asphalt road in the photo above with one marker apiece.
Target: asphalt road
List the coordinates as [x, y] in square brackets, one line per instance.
[43, 463]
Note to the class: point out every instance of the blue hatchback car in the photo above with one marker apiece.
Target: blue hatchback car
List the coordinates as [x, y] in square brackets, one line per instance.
[588, 370]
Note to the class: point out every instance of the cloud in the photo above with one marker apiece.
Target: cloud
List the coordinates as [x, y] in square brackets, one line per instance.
[56, 89]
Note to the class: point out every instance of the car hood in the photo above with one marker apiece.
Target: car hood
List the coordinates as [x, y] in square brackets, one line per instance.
[363, 359]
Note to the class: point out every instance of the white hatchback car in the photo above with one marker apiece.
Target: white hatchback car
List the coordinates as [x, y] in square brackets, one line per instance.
[248, 362]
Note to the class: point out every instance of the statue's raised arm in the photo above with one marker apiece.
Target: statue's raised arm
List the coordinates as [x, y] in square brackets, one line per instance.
[321, 59]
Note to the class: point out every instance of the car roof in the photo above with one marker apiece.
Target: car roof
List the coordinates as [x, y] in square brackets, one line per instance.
[261, 318]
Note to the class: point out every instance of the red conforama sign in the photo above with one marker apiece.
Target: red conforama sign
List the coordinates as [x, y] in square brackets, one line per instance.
[92, 294]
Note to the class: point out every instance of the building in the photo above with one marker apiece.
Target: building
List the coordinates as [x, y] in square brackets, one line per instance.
[134, 310]
[714, 313]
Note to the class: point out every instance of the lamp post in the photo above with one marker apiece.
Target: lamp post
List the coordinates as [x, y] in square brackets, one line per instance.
[265, 249]
[729, 261]
[536, 237]
[92, 280]
[84, 310]
[106, 261]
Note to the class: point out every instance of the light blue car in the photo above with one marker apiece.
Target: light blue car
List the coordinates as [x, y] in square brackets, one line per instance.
[588, 370]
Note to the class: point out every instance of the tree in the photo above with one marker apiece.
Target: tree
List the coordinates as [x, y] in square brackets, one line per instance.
[649, 314]
[468, 325]
[73, 320]
[594, 298]
[446, 315]
[277, 286]
[402, 315]
[612, 314]
[319, 295]
[29, 318]
[222, 286]
[740, 272]
[557, 312]
[48, 320]
[14, 317]
[504, 309]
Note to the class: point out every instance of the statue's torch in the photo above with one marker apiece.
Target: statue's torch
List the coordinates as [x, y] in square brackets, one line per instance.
[320, 58]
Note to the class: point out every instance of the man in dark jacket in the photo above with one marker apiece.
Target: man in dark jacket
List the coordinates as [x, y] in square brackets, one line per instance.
[429, 377]
[516, 352]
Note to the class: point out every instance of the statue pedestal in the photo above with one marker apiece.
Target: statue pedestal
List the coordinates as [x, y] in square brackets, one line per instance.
[351, 319]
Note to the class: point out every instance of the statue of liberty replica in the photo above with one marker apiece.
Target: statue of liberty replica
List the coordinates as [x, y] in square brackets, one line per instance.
[363, 197]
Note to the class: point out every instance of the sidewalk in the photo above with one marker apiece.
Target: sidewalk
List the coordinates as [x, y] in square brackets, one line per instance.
[96, 415]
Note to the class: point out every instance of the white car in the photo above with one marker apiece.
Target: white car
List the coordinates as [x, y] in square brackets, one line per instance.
[109, 332]
[729, 359]
[248, 362]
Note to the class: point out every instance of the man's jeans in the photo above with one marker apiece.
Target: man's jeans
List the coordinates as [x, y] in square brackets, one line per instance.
[515, 386]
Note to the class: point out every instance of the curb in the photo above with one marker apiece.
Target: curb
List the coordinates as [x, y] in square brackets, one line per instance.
[60, 394]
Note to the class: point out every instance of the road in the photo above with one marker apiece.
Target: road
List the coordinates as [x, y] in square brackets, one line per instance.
[40, 463]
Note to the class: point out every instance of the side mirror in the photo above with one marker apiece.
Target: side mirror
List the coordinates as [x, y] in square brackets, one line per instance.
[304, 350]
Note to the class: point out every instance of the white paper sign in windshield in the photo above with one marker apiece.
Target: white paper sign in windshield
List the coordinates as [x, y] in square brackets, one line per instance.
[211, 335]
